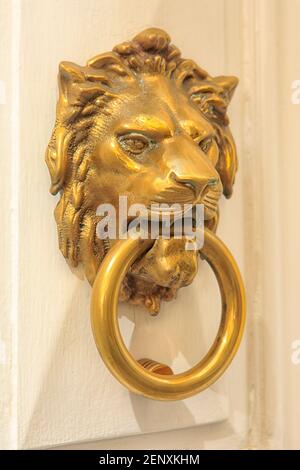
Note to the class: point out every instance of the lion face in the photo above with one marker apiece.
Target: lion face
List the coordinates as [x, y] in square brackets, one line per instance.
[157, 148]
[143, 123]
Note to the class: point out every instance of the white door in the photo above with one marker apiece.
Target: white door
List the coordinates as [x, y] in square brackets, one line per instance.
[55, 389]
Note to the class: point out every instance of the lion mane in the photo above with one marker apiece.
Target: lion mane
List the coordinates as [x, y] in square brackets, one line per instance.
[86, 97]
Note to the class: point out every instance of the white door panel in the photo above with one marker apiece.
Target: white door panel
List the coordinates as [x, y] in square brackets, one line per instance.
[64, 392]
[56, 388]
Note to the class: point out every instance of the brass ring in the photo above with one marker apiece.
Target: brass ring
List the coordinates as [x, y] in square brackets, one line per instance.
[123, 366]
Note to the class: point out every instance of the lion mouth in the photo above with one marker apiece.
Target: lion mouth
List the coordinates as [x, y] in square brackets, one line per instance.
[209, 200]
[210, 210]
[158, 220]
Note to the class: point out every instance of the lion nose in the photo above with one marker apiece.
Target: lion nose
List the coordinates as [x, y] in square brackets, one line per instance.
[188, 166]
[194, 186]
[197, 183]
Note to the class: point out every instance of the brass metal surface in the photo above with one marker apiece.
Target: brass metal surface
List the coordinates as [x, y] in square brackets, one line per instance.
[145, 123]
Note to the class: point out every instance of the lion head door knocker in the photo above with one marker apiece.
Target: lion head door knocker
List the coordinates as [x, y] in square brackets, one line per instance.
[143, 124]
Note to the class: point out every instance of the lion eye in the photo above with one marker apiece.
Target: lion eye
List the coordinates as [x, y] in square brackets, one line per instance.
[210, 147]
[206, 144]
[134, 144]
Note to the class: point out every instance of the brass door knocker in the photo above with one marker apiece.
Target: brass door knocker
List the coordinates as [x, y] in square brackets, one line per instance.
[144, 125]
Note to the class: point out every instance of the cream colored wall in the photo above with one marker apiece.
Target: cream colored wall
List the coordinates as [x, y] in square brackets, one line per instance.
[61, 391]
[55, 387]
[289, 162]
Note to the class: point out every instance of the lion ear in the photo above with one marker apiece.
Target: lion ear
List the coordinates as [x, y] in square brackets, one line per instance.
[68, 74]
[111, 63]
[79, 85]
[69, 77]
[228, 84]
[57, 158]
[227, 164]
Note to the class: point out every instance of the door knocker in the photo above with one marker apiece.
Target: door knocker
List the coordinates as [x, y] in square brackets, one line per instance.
[143, 124]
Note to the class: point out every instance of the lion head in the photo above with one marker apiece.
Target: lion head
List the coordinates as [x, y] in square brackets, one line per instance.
[145, 123]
